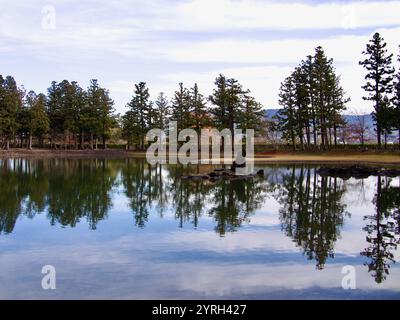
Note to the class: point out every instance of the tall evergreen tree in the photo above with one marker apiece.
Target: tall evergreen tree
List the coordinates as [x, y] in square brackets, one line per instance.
[162, 112]
[226, 99]
[286, 117]
[230, 103]
[107, 119]
[99, 112]
[323, 77]
[307, 67]
[10, 104]
[200, 117]
[252, 114]
[379, 78]
[39, 125]
[386, 118]
[54, 111]
[138, 119]
[181, 108]
[313, 100]
[396, 102]
[199, 112]
[35, 122]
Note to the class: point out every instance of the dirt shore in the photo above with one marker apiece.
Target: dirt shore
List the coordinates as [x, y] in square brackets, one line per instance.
[350, 157]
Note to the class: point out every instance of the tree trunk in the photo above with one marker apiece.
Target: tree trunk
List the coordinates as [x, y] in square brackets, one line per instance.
[308, 132]
[379, 134]
[335, 135]
[82, 139]
[386, 135]
[91, 141]
[399, 138]
[30, 142]
[315, 131]
[104, 142]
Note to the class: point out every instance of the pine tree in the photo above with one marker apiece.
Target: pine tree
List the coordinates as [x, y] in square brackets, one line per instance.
[107, 119]
[386, 118]
[307, 67]
[323, 88]
[396, 102]
[287, 119]
[313, 100]
[24, 120]
[138, 119]
[379, 77]
[226, 98]
[162, 112]
[252, 114]
[98, 113]
[299, 77]
[230, 103]
[34, 121]
[337, 104]
[39, 120]
[10, 105]
[181, 108]
[200, 117]
[54, 111]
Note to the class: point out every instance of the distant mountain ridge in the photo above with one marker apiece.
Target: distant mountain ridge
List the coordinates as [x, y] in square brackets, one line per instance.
[350, 119]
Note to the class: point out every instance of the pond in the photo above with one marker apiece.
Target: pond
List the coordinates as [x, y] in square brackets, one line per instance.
[122, 229]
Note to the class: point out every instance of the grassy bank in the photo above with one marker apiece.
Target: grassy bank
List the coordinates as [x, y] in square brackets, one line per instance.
[338, 157]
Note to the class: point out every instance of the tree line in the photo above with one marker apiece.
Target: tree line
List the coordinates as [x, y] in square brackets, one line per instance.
[382, 87]
[72, 117]
[229, 106]
[313, 100]
[68, 115]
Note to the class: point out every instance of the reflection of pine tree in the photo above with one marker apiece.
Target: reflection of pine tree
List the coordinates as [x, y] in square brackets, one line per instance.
[79, 189]
[382, 230]
[188, 197]
[312, 212]
[70, 190]
[136, 178]
[234, 201]
[12, 194]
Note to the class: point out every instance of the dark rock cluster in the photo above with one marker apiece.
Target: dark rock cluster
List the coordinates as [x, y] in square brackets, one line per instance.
[223, 174]
[358, 172]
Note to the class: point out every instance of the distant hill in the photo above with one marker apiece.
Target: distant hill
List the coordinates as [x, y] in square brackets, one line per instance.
[350, 119]
[270, 113]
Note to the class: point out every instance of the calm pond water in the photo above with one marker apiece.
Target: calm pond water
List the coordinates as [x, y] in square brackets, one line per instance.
[123, 229]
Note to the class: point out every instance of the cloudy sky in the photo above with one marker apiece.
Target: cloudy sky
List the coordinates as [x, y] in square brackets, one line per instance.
[165, 42]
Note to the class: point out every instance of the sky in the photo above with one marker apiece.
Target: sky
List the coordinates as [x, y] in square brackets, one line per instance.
[121, 43]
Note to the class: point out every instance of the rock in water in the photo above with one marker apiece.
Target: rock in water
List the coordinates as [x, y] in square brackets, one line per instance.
[357, 172]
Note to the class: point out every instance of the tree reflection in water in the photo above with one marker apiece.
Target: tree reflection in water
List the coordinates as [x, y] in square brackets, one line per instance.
[312, 211]
[383, 229]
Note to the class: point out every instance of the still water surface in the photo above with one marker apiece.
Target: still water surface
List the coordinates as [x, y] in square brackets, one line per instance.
[123, 229]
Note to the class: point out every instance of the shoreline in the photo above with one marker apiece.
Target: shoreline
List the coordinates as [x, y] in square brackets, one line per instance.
[330, 157]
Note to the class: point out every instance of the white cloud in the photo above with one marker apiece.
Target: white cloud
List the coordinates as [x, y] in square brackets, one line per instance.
[126, 38]
[229, 14]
